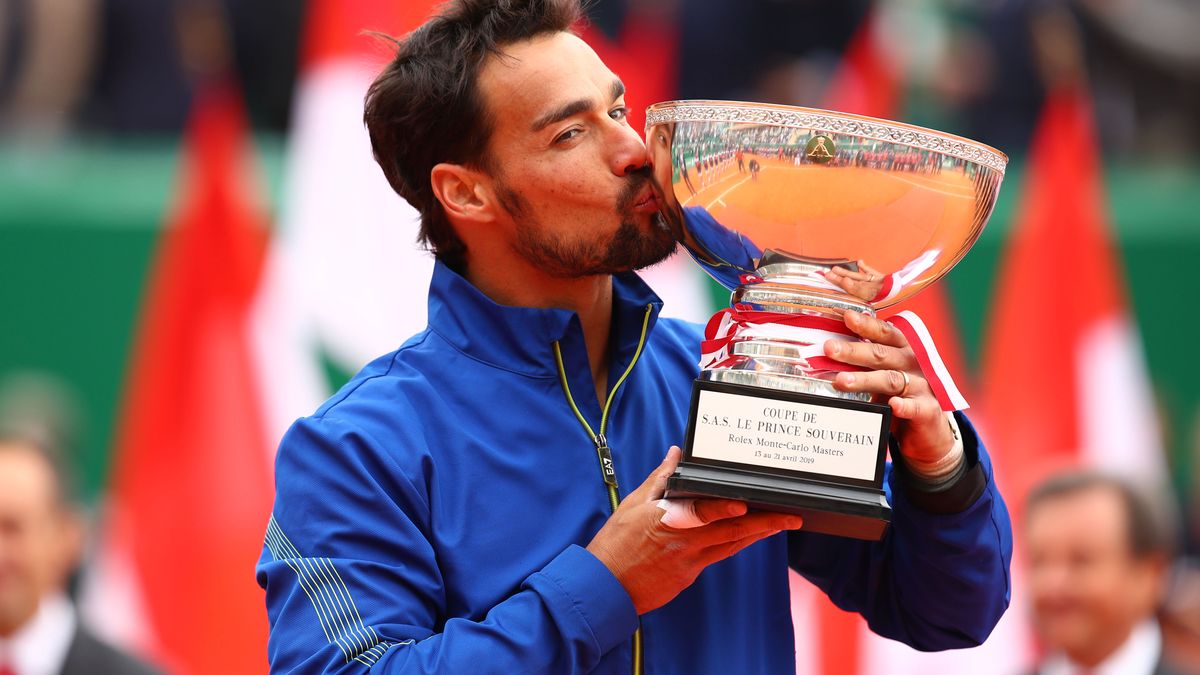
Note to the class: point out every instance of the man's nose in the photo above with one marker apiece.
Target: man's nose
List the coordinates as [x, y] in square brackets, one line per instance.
[1050, 579]
[629, 153]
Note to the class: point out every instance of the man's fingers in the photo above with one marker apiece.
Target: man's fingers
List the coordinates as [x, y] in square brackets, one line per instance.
[883, 382]
[717, 553]
[855, 287]
[875, 329]
[750, 525]
[873, 355]
[682, 514]
[849, 274]
[712, 510]
[656, 484]
[924, 409]
[863, 266]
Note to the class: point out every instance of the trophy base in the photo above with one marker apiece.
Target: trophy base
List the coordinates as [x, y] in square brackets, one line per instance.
[859, 513]
[786, 450]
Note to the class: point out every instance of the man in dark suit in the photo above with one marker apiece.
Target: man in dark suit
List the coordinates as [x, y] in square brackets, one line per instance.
[1098, 551]
[41, 535]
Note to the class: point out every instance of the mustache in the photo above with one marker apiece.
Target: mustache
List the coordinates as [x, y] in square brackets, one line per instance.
[637, 181]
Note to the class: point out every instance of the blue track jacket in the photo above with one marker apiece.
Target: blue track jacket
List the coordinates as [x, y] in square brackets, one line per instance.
[432, 516]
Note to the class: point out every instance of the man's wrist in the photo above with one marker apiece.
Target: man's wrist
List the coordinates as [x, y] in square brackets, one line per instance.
[954, 494]
[947, 468]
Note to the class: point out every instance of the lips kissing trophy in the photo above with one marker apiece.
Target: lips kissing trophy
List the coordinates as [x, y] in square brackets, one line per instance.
[769, 199]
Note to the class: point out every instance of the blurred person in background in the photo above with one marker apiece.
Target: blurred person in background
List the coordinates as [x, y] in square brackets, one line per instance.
[1099, 552]
[48, 54]
[41, 542]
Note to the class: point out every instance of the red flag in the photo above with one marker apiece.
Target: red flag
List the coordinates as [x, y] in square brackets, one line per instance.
[340, 29]
[866, 82]
[1063, 374]
[191, 489]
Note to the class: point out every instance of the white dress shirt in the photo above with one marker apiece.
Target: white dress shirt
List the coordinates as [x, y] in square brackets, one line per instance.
[1138, 655]
[40, 646]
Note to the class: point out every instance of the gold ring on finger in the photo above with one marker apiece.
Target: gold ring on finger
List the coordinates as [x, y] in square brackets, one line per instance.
[904, 389]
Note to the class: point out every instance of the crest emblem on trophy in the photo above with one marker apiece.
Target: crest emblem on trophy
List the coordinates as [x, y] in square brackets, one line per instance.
[819, 149]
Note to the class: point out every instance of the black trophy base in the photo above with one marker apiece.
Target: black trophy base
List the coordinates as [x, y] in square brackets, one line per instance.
[845, 511]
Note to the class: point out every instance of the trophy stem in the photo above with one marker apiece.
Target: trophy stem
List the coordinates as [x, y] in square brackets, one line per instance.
[781, 356]
[785, 298]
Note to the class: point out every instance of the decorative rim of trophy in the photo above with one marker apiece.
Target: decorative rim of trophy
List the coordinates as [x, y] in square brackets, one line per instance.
[828, 121]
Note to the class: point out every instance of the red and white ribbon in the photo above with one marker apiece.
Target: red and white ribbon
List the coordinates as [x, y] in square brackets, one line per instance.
[932, 366]
[811, 332]
[898, 281]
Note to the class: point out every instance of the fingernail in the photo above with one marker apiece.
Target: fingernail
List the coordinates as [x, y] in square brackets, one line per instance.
[849, 378]
[835, 348]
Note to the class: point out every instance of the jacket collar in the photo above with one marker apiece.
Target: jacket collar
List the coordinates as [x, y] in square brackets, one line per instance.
[520, 339]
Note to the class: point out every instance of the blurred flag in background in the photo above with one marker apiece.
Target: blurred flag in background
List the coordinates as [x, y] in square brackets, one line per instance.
[1064, 377]
[345, 279]
[191, 483]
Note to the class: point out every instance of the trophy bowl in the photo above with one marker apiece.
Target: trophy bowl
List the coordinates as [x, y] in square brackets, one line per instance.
[804, 215]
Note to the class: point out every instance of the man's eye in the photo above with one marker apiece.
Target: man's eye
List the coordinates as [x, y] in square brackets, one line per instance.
[567, 135]
[619, 113]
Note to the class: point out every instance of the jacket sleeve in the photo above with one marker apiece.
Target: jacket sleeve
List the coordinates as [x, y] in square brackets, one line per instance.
[352, 579]
[939, 579]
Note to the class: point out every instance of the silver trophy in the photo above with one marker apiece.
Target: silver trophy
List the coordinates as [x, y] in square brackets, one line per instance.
[769, 199]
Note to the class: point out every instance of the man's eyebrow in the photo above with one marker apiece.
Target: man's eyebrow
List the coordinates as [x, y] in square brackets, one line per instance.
[573, 108]
[618, 89]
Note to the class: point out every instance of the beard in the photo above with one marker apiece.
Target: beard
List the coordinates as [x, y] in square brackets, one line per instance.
[631, 246]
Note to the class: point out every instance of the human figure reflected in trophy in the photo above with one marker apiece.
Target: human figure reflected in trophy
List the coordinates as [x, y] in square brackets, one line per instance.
[837, 213]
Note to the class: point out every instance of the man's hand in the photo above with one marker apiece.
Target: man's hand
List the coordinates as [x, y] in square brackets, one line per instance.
[926, 439]
[863, 284]
[655, 562]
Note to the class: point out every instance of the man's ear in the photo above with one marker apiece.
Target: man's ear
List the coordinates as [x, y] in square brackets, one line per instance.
[463, 192]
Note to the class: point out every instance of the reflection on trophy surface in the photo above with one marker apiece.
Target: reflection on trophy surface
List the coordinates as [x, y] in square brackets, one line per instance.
[805, 215]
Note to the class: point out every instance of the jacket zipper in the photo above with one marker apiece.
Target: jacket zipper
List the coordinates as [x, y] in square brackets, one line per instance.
[604, 453]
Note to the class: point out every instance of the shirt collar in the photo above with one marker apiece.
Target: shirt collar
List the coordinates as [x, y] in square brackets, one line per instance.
[1140, 653]
[40, 646]
[520, 339]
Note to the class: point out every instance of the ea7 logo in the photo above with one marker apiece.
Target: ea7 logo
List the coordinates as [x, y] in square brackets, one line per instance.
[608, 467]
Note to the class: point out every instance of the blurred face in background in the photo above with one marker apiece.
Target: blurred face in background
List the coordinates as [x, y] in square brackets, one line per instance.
[1088, 588]
[39, 536]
